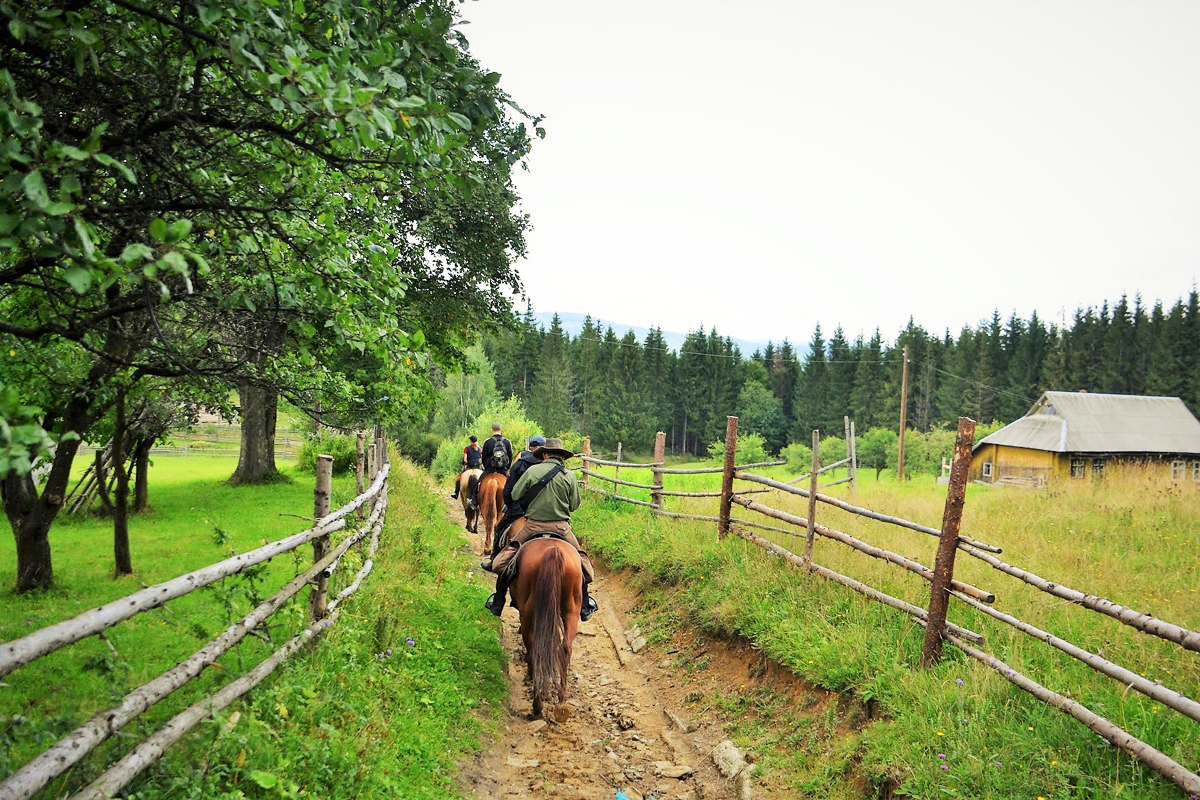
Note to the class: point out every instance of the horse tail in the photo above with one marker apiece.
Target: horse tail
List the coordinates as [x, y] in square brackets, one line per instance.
[472, 482]
[546, 657]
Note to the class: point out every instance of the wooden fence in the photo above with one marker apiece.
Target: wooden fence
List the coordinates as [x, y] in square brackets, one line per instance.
[941, 577]
[57, 759]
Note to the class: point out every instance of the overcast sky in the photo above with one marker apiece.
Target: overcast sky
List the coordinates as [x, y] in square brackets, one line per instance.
[764, 166]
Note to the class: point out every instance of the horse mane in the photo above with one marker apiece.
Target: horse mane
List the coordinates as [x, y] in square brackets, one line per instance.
[548, 636]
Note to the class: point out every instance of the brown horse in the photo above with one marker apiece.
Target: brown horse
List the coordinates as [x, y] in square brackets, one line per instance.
[491, 504]
[548, 593]
[466, 489]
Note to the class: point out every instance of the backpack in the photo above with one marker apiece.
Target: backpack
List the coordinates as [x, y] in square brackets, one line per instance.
[499, 458]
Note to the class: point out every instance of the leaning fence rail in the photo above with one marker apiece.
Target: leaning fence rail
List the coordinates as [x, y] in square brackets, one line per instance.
[68, 751]
[944, 586]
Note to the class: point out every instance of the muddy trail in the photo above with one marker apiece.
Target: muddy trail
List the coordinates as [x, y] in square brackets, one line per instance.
[627, 724]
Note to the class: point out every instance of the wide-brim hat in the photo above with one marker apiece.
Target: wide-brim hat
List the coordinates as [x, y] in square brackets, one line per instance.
[553, 447]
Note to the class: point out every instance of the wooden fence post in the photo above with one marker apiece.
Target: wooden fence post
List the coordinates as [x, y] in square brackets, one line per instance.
[358, 472]
[660, 447]
[731, 426]
[853, 459]
[849, 464]
[587, 453]
[811, 533]
[903, 417]
[317, 600]
[943, 565]
[617, 472]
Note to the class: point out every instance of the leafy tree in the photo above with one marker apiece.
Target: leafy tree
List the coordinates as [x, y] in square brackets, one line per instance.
[242, 189]
[876, 449]
[759, 411]
[465, 394]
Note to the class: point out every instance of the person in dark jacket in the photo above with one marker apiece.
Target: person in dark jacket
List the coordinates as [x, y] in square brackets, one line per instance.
[497, 457]
[472, 459]
[513, 509]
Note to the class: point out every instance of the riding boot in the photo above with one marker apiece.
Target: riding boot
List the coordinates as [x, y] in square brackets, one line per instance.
[495, 603]
[588, 606]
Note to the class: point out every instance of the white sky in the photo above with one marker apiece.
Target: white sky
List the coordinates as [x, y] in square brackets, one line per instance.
[764, 166]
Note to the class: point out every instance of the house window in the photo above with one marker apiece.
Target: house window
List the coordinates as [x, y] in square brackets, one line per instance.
[1178, 470]
[1196, 471]
[987, 470]
[1078, 467]
[1098, 467]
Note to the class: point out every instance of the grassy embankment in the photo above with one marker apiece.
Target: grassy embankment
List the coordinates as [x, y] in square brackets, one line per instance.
[335, 721]
[1132, 539]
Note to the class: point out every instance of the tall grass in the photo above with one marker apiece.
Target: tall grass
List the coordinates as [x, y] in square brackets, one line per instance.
[1132, 538]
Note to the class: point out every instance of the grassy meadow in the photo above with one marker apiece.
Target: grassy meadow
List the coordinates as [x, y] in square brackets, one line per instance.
[1132, 539]
[305, 729]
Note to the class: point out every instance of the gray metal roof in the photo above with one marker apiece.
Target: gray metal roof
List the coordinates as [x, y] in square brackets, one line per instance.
[1081, 422]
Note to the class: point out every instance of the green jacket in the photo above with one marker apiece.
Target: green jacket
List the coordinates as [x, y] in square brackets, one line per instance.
[556, 501]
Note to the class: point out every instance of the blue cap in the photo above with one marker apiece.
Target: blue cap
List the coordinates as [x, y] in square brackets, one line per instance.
[537, 440]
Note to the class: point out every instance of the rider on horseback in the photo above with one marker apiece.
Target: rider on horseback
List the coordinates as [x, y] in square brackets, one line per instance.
[514, 510]
[497, 456]
[551, 493]
[472, 459]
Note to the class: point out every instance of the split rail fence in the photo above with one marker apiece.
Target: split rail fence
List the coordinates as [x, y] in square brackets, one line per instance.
[941, 576]
[368, 508]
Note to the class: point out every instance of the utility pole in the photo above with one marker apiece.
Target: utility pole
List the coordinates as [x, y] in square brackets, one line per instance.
[903, 414]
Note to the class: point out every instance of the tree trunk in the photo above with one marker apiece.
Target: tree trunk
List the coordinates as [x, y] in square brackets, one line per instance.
[121, 556]
[31, 516]
[141, 484]
[256, 460]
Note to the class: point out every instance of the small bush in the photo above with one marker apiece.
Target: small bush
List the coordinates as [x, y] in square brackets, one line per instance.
[799, 457]
[343, 448]
[751, 448]
[417, 446]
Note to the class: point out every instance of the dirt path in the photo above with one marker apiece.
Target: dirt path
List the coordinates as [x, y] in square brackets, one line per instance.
[619, 734]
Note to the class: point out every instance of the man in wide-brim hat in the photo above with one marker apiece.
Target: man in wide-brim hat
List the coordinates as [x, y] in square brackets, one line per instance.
[549, 493]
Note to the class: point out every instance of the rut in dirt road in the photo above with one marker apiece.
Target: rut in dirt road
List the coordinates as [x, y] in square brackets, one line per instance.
[616, 734]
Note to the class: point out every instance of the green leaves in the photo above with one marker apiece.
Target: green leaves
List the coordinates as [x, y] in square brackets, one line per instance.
[35, 189]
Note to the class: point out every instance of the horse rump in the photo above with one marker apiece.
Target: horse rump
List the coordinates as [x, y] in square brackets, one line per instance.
[548, 659]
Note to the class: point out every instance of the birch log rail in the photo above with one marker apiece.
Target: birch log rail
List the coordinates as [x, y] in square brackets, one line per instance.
[918, 614]
[46, 640]
[864, 512]
[68, 751]
[1160, 762]
[863, 547]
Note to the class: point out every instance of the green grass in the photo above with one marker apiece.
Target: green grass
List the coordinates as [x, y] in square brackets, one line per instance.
[311, 726]
[1132, 538]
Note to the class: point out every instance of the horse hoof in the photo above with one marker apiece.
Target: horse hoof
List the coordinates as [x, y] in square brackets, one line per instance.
[560, 714]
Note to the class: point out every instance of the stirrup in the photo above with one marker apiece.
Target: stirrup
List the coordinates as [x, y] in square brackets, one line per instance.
[588, 608]
[495, 605]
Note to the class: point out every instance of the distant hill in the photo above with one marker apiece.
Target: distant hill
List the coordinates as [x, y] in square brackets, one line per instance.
[573, 323]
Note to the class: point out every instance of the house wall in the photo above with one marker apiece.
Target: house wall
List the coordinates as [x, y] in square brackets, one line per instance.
[1015, 462]
[1041, 465]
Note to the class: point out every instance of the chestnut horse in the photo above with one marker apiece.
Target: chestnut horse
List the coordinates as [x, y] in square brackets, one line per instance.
[466, 490]
[491, 505]
[548, 593]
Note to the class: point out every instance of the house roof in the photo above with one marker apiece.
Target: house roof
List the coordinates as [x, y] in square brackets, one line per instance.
[1080, 422]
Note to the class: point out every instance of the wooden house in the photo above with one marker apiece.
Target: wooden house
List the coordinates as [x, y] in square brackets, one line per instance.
[1078, 435]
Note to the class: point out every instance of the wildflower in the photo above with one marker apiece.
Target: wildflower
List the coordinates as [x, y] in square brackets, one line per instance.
[959, 681]
[941, 755]
[997, 763]
[327, 623]
[1054, 763]
[387, 671]
[409, 641]
[941, 734]
[1030, 727]
[943, 766]
[388, 651]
